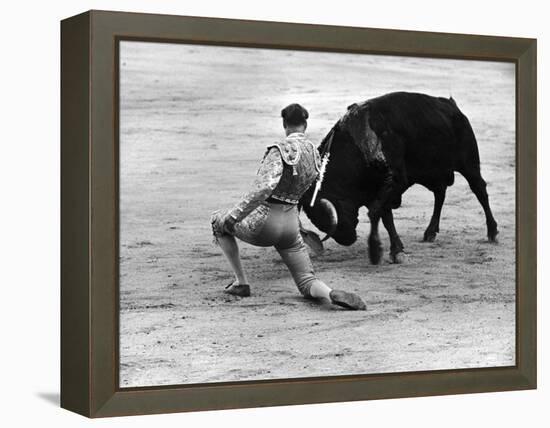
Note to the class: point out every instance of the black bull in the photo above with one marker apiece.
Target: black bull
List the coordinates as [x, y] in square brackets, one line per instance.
[379, 149]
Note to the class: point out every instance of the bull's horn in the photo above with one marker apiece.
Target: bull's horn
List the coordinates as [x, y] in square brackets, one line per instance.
[333, 216]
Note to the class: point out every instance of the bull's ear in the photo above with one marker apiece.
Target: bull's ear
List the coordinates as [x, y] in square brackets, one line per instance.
[312, 240]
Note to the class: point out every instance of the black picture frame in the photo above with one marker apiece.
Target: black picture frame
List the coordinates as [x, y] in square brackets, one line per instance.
[89, 213]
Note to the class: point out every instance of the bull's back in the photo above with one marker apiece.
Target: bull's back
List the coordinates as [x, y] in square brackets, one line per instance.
[432, 133]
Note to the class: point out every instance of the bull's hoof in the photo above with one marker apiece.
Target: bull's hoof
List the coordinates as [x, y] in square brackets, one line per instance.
[399, 258]
[429, 236]
[493, 237]
[492, 231]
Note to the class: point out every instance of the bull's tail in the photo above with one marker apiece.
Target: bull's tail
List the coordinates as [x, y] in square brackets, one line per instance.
[468, 158]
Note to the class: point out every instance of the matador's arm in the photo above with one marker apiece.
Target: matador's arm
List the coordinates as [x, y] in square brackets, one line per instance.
[266, 181]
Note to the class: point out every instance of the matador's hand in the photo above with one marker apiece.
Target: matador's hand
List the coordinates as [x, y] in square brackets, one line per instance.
[222, 223]
[228, 223]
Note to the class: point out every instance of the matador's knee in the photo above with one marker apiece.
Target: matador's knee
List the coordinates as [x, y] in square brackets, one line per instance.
[218, 224]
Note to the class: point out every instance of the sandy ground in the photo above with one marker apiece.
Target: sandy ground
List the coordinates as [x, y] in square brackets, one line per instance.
[194, 124]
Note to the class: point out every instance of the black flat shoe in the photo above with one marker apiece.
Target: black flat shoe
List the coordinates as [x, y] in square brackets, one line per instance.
[347, 300]
[241, 290]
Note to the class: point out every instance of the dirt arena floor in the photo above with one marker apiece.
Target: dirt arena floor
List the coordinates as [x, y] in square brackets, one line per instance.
[192, 136]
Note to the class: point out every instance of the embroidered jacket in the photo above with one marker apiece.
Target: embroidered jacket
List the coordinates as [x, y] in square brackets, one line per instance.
[288, 169]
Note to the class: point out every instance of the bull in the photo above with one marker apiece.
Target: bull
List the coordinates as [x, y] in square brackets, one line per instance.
[379, 149]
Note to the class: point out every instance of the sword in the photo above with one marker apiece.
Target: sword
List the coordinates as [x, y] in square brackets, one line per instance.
[323, 167]
[319, 182]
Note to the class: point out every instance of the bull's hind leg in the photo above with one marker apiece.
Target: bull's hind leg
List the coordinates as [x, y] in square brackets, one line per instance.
[479, 187]
[433, 228]
[396, 246]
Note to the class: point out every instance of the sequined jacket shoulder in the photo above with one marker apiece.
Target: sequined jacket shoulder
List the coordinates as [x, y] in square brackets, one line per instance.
[301, 163]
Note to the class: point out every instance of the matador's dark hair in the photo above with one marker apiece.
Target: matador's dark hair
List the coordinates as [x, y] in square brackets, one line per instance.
[294, 115]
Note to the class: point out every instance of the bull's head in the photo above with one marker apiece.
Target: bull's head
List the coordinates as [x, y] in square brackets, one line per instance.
[336, 207]
[337, 218]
